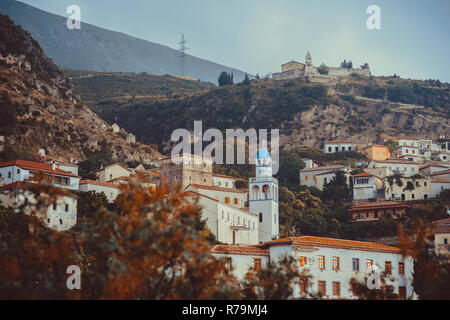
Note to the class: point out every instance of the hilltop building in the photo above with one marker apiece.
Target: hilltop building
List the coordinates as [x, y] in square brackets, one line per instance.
[295, 69]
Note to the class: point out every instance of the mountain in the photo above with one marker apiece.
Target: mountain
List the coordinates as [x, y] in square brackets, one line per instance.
[100, 86]
[94, 48]
[354, 108]
[40, 110]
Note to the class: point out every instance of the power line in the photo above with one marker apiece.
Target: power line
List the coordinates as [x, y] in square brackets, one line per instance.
[182, 51]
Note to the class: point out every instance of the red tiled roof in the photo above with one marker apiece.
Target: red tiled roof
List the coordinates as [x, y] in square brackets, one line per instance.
[115, 164]
[215, 188]
[323, 168]
[223, 176]
[240, 249]
[37, 166]
[99, 183]
[436, 165]
[441, 226]
[364, 174]
[440, 180]
[438, 173]
[311, 242]
[378, 205]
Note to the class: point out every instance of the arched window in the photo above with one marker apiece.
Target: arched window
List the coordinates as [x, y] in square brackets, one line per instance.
[255, 193]
[266, 191]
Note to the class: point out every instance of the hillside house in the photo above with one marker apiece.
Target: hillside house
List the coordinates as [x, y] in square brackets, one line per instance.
[112, 172]
[407, 188]
[338, 145]
[372, 211]
[367, 186]
[377, 152]
[320, 176]
[405, 167]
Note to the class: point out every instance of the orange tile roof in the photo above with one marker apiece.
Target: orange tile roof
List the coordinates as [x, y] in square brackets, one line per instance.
[37, 166]
[240, 249]
[439, 173]
[440, 180]
[363, 174]
[215, 188]
[323, 168]
[441, 226]
[115, 164]
[311, 242]
[436, 165]
[378, 205]
[100, 183]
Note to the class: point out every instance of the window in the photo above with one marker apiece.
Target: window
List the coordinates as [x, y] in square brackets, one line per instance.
[54, 206]
[275, 218]
[239, 221]
[355, 264]
[336, 289]
[322, 288]
[445, 241]
[257, 264]
[388, 267]
[335, 263]
[18, 171]
[253, 225]
[222, 214]
[227, 199]
[260, 217]
[228, 216]
[402, 292]
[302, 261]
[236, 201]
[401, 268]
[306, 178]
[329, 149]
[60, 221]
[343, 148]
[325, 180]
[9, 174]
[322, 262]
[369, 264]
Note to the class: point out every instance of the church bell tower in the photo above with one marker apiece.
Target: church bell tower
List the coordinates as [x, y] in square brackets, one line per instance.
[263, 190]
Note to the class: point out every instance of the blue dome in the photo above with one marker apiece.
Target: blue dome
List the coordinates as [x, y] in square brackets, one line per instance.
[263, 154]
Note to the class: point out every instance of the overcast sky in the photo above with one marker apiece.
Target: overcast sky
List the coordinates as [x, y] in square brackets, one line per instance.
[257, 36]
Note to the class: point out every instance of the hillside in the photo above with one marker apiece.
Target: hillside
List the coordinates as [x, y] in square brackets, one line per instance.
[94, 48]
[39, 109]
[305, 113]
[95, 87]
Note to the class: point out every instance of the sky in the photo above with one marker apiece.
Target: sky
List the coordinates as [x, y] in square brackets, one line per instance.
[257, 36]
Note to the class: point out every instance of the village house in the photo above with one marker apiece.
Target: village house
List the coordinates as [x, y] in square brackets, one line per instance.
[402, 188]
[187, 169]
[63, 165]
[338, 145]
[405, 167]
[18, 175]
[320, 176]
[440, 236]
[235, 197]
[432, 167]
[331, 263]
[367, 186]
[112, 172]
[221, 180]
[372, 211]
[377, 152]
[309, 163]
[110, 190]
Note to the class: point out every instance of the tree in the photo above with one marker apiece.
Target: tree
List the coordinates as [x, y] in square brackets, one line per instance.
[246, 80]
[393, 145]
[290, 165]
[337, 190]
[347, 65]
[323, 69]
[225, 79]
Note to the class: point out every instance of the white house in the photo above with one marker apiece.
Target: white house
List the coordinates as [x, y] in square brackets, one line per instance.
[405, 167]
[18, 175]
[431, 168]
[408, 151]
[438, 185]
[318, 177]
[221, 180]
[110, 190]
[332, 263]
[113, 171]
[338, 145]
[366, 186]
[63, 165]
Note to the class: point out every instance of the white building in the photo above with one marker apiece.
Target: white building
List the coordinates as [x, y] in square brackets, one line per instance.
[366, 186]
[332, 263]
[405, 167]
[63, 165]
[112, 172]
[319, 176]
[263, 201]
[438, 185]
[18, 175]
[228, 223]
[221, 180]
[338, 145]
[110, 190]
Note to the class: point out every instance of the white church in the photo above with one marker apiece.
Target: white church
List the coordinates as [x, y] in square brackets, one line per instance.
[241, 216]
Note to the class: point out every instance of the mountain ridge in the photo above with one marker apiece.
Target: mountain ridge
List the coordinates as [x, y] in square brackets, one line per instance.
[99, 49]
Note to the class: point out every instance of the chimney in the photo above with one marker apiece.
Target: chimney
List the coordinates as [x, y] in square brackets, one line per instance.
[53, 166]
